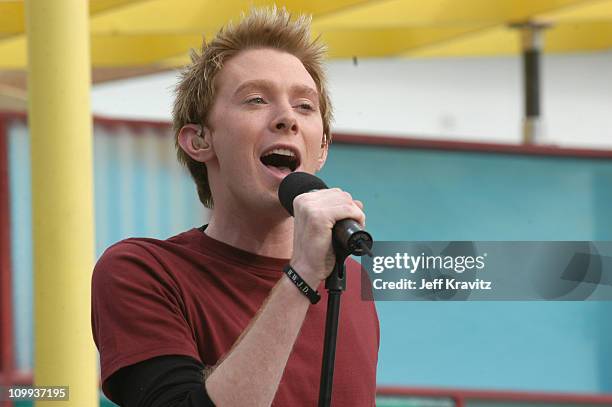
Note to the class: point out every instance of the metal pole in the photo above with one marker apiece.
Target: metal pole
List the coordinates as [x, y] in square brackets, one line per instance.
[531, 42]
[335, 285]
[60, 126]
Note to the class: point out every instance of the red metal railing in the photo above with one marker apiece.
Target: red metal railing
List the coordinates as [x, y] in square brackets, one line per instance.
[461, 397]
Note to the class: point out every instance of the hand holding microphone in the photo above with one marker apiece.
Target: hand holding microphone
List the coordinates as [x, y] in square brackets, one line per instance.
[320, 214]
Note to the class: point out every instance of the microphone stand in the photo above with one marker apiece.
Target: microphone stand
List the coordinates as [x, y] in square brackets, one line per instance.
[335, 285]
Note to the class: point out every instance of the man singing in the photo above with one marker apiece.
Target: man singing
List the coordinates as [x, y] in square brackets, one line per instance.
[210, 317]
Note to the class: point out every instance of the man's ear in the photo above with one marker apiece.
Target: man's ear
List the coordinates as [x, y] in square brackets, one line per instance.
[196, 142]
[323, 155]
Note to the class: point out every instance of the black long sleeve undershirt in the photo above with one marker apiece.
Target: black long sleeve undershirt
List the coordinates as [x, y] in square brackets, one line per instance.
[164, 381]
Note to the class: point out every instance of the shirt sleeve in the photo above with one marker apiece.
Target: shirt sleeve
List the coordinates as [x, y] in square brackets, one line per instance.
[165, 381]
[137, 309]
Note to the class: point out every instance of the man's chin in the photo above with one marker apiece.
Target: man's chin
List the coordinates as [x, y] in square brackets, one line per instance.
[265, 201]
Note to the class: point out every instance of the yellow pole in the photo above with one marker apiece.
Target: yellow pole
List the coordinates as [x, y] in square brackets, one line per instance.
[62, 196]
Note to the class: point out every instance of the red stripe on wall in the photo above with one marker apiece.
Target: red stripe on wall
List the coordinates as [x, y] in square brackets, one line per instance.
[6, 304]
[409, 142]
[515, 149]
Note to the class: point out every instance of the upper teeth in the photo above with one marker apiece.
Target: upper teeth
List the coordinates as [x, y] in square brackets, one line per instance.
[281, 151]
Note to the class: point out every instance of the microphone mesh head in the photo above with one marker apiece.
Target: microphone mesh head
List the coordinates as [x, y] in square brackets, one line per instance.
[295, 184]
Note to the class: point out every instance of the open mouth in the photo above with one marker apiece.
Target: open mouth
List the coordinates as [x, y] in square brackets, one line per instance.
[282, 159]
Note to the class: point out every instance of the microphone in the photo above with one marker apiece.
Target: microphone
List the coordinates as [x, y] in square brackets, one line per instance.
[347, 233]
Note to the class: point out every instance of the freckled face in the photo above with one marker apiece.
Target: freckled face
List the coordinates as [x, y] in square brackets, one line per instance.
[265, 101]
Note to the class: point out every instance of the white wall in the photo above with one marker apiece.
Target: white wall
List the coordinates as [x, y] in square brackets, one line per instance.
[476, 99]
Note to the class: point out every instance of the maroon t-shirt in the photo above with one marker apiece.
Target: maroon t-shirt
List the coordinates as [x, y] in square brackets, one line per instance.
[193, 295]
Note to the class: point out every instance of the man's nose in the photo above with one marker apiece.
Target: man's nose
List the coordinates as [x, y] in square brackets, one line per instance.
[285, 121]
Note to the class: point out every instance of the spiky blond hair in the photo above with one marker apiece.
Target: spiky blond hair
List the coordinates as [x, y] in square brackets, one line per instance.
[261, 28]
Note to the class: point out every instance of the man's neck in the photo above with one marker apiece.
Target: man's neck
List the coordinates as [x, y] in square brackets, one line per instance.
[265, 236]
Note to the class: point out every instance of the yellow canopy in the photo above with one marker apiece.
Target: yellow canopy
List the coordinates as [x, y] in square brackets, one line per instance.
[136, 37]
[132, 37]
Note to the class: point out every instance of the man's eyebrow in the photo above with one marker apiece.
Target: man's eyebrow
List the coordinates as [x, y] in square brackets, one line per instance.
[265, 84]
[253, 84]
[304, 89]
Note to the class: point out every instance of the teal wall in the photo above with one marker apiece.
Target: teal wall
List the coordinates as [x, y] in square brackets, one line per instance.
[421, 195]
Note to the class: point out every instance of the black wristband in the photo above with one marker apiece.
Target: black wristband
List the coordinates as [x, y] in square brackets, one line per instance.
[312, 295]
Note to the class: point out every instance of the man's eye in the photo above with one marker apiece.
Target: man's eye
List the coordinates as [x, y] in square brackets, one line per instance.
[306, 106]
[256, 100]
